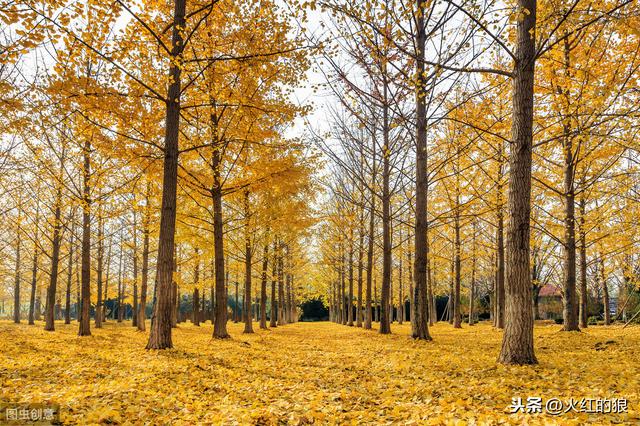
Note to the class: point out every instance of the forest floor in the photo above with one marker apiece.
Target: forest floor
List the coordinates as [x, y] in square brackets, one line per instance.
[315, 372]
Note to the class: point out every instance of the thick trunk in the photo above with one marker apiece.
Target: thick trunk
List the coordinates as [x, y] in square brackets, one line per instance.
[419, 320]
[160, 334]
[517, 341]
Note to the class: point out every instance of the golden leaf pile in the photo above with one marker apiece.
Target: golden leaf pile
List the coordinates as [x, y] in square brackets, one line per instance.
[314, 373]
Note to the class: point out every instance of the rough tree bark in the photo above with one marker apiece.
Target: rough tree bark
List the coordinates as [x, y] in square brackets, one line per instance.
[517, 341]
[584, 295]
[84, 328]
[246, 308]
[145, 262]
[419, 320]
[263, 286]
[67, 304]
[274, 274]
[160, 334]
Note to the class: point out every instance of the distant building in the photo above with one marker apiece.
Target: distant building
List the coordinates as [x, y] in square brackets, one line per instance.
[550, 302]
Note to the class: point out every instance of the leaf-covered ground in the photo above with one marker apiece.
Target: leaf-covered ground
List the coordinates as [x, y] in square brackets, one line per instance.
[314, 372]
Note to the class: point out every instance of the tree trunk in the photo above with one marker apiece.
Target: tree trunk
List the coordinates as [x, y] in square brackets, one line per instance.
[160, 334]
[605, 292]
[368, 307]
[500, 271]
[400, 292]
[385, 320]
[248, 323]
[419, 321]
[34, 269]
[134, 313]
[220, 321]
[472, 292]
[569, 299]
[584, 295]
[85, 302]
[517, 341]
[359, 312]
[457, 316]
[145, 263]
[281, 302]
[120, 289]
[274, 274]
[67, 305]
[98, 312]
[16, 288]
[263, 286]
[196, 292]
[350, 297]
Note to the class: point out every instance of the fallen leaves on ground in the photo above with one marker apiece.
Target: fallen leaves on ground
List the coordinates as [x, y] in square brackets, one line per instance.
[314, 373]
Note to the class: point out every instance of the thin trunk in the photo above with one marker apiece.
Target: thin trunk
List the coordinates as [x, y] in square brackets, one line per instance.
[34, 269]
[605, 292]
[220, 322]
[134, 314]
[368, 307]
[120, 289]
[67, 306]
[472, 293]
[196, 292]
[85, 303]
[385, 323]
[584, 295]
[281, 302]
[55, 263]
[457, 316]
[145, 262]
[274, 274]
[16, 288]
[263, 286]
[248, 323]
[350, 297]
[98, 311]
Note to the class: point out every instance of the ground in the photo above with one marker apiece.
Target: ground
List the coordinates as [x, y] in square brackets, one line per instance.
[322, 372]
